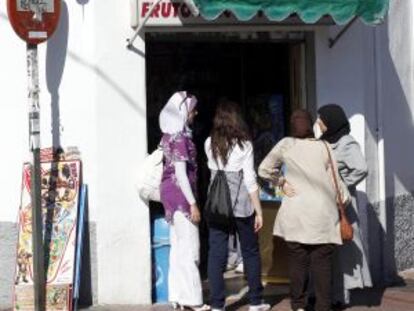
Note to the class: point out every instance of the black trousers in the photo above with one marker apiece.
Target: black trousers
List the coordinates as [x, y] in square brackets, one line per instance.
[217, 260]
[317, 260]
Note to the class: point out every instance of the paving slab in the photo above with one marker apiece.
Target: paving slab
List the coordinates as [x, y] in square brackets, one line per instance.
[390, 299]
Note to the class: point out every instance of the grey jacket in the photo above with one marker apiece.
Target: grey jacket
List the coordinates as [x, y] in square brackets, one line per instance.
[351, 264]
[351, 163]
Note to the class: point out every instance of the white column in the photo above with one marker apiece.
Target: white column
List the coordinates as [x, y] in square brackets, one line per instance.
[123, 233]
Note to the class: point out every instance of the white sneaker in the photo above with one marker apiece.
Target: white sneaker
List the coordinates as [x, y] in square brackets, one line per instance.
[261, 307]
[198, 308]
[229, 267]
[240, 268]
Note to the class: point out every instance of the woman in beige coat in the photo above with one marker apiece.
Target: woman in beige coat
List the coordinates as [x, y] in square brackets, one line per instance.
[308, 218]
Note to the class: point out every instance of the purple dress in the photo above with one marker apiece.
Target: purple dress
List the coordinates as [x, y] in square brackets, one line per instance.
[177, 147]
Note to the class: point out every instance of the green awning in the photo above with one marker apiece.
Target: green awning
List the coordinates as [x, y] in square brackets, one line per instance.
[310, 11]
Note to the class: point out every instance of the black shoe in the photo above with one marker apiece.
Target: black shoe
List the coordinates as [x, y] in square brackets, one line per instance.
[339, 306]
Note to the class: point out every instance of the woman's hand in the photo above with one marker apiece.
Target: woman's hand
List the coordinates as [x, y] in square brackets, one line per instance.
[195, 213]
[288, 189]
[258, 222]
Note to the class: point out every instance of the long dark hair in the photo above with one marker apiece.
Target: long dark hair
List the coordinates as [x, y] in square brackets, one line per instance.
[228, 130]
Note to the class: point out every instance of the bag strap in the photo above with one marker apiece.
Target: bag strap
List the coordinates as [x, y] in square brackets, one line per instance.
[338, 192]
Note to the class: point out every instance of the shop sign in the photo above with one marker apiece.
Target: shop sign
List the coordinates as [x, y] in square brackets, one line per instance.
[176, 13]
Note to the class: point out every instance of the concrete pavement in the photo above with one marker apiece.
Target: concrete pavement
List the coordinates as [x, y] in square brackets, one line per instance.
[390, 299]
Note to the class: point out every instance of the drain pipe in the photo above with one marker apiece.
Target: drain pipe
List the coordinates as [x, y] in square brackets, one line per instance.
[379, 131]
[382, 195]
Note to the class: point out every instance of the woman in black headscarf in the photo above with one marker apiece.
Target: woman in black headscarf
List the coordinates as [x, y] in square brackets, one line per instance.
[350, 266]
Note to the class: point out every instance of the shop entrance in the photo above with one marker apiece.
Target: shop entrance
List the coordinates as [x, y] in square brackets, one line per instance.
[249, 68]
[264, 72]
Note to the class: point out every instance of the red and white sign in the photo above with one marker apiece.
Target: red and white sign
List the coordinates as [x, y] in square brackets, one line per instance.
[165, 13]
[34, 20]
[178, 13]
[172, 13]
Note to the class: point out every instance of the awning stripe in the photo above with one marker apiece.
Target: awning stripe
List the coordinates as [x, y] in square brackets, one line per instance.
[310, 11]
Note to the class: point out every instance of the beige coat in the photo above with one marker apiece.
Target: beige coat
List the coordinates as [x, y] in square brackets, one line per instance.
[311, 216]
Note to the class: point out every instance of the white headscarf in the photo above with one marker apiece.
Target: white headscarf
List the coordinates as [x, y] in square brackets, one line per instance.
[174, 115]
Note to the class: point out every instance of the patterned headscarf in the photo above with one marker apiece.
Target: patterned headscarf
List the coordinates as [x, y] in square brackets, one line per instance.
[174, 116]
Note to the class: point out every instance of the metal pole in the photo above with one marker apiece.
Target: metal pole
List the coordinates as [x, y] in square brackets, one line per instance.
[39, 276]
[189, 3]
[333, 41]
[131, 40]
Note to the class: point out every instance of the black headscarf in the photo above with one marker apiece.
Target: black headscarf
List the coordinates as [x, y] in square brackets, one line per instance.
[334, 117]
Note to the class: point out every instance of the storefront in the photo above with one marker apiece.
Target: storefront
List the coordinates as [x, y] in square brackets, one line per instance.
[104, 98]
[263, 60]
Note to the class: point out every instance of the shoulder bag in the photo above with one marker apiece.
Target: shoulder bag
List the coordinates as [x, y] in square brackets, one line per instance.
[149, 176]
[347, 232]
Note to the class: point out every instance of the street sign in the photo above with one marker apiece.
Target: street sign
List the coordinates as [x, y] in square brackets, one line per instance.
[34, 20]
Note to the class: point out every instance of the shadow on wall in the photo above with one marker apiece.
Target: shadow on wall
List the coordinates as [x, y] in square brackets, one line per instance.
[393, 250]
[83, 3]
[390, 250]
[55, 64]
[57, 52]
[56, 55]
[109, 81]
[399, 146]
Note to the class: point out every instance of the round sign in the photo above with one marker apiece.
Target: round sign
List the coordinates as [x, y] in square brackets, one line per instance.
[34, 20]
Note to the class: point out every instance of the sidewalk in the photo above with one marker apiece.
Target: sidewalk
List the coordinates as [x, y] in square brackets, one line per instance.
[391, 299]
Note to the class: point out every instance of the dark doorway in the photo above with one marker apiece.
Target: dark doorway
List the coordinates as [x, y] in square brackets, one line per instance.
[249, 72]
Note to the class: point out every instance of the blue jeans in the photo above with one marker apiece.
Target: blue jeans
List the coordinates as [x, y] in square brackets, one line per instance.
[217, 260]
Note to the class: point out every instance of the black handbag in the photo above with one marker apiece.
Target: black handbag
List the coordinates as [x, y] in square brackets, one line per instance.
[219, 208]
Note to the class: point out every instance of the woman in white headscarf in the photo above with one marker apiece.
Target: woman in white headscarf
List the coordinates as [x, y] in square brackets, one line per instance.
[178, 190]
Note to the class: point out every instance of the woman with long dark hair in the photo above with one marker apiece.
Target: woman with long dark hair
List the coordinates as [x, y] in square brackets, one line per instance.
[229, 149]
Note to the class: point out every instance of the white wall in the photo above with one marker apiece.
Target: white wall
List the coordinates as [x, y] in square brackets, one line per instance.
[13, 124]
[396, 96]
[123, 225]
[370, 73]
[349, 74]
[93, 89]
